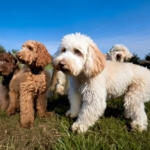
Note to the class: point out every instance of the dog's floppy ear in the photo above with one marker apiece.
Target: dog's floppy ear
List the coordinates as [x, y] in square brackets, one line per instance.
[44, 58]
[128, 56]
[95, 61]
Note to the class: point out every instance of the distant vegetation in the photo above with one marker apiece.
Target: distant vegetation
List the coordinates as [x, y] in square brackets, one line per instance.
[13, 51]
[135, 59]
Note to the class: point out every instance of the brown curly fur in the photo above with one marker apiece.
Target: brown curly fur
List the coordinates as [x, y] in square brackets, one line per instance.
[29, 86]
[8, 67]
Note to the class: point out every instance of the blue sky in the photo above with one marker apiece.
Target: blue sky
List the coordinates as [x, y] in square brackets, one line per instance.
[107, 22]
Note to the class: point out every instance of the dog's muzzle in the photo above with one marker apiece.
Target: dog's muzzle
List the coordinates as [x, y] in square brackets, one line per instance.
[62, 66]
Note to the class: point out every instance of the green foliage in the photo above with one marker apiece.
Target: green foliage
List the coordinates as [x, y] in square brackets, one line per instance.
[2, 49]
[111, 132]
[135, 59]
[49, 67]
[147, 57]
[14, 51]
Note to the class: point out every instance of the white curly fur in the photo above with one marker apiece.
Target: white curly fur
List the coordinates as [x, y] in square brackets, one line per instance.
[93, 80]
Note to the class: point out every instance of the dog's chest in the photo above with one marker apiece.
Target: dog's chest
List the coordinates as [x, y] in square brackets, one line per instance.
[37, 82]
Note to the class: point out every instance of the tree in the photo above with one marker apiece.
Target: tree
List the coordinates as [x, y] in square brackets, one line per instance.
[2, 49]
[146, 62]
[14, 51]
[147, 57]
[135, 59]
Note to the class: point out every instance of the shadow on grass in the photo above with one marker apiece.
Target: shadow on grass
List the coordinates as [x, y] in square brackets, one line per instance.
[115, 109]
[58, 104]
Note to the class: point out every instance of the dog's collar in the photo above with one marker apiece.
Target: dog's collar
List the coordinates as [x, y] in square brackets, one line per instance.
[35, 72]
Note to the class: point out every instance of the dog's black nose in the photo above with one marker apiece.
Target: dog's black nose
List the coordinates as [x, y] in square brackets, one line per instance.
[61, 64]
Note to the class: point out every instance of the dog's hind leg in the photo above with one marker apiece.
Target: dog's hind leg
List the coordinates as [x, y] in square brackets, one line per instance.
[134, 107]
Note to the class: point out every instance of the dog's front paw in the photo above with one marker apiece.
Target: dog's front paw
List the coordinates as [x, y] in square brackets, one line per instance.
[10, 112]
[71, 114]
[79, 127]
[60, 90]
[27, 124]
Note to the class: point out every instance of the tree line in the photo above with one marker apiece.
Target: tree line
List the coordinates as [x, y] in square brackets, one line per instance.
[13, 51]
[135, 59]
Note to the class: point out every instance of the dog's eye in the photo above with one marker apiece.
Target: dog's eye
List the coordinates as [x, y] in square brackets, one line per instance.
[63, 50]
[30, 48]
[77, 52]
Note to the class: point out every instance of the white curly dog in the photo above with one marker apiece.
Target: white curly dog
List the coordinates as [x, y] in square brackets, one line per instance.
[93, 80]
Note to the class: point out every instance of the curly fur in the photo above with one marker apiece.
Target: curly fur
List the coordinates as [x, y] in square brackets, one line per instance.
[119, 53]
[28, 87]
[93, 79]
[59, 82]
[8, 67]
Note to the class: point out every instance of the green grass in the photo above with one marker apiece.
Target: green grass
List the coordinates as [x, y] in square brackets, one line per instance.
[111, 132]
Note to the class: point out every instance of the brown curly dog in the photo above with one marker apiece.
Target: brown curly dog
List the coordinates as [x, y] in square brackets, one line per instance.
[8, 68]
[29, 86]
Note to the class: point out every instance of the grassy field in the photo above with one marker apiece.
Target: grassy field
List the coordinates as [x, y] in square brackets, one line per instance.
[111, 132]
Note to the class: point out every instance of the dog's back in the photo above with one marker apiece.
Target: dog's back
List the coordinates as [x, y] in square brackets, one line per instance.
[121, 76]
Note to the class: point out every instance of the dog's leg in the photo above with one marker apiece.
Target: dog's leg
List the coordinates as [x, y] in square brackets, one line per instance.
[41, 105]
[93, 107]
[53, 82]
[134, 108]
[14, 102]
[62, 83]
[75, 100]
[26, 104]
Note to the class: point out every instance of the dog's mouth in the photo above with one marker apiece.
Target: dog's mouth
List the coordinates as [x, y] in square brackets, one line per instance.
[66, 71]
[22, 61]
[4, 72]
[63, 69]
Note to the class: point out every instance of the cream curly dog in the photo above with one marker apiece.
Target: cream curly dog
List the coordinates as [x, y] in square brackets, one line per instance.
[119, 53]
[28, 87]
[93, 79]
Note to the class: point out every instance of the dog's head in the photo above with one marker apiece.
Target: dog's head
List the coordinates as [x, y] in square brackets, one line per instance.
[119, 53]
[34, 54]
[8, 63]
[79, 54]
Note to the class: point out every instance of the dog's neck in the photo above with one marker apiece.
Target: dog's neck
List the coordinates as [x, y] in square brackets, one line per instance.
[6, 79]
[36, 71]
[81, 79]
